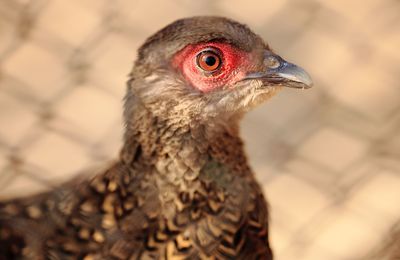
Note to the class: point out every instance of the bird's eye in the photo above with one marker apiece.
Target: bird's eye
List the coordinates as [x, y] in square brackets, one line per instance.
[208, 60]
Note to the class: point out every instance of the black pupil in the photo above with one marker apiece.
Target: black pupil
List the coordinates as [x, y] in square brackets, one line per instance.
[210, 60]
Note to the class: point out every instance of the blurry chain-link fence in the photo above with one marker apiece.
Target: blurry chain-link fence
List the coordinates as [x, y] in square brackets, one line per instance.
[329, 157]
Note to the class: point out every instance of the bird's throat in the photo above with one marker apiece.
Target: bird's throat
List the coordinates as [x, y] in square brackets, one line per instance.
[178, 148]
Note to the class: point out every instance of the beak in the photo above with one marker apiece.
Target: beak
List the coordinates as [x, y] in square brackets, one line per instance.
[280, 72]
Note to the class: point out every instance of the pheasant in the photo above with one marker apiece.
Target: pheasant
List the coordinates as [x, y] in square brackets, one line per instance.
[181, 187]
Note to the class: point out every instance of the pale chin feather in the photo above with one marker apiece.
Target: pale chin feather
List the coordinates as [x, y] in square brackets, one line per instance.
[164, 92]
[239, 100]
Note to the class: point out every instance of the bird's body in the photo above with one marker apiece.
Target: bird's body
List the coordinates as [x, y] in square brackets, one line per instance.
[181, 188]
[194, 204]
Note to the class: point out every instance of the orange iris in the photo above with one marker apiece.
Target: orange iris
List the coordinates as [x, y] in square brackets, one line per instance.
[208, 61]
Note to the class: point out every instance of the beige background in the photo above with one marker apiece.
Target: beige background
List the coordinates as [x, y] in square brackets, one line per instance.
[328, 157]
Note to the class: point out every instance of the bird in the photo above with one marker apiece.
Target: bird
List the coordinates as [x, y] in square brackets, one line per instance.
[181, 186]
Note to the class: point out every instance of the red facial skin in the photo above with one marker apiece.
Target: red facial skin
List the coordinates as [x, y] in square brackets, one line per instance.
[235, 63]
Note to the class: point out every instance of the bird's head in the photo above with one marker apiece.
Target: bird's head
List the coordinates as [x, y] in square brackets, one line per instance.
[208, 68]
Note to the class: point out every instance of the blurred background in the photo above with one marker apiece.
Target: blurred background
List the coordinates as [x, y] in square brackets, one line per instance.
[328, 158]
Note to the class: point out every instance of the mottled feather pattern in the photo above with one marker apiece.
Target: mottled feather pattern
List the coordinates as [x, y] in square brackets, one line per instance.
[181, 187]
[174, 209]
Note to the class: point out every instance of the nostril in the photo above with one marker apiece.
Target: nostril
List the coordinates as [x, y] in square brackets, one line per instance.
[272, 62]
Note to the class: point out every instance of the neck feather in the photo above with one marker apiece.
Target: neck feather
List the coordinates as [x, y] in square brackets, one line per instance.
[186, 142]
